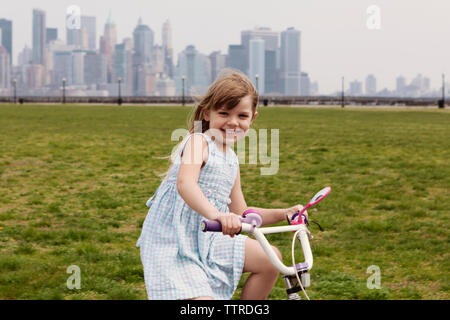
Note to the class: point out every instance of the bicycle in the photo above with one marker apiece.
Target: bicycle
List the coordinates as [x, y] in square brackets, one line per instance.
[297, 276]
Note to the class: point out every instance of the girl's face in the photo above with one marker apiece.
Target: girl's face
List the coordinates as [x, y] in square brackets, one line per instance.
[228, 126]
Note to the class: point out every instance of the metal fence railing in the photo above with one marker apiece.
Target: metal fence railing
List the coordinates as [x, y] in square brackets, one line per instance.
[264, 100]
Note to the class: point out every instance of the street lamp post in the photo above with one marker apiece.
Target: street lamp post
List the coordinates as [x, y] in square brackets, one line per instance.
[182, 99]
[15, 91]
[342, 98]
[64, 90]
[443, 90]
[119, 80]
[257, 85]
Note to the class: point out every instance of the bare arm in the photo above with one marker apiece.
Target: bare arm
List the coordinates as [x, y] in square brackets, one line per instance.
[194, 153]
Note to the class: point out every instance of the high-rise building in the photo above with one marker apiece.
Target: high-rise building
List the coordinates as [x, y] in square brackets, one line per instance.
[165, 87]
[51, 34]
[78, 67]
[143, 44]
[5, 68]
[257, 63]
[123, 65]
[314, 88]
[145, 82]
[157, 59]
[305, 85]
[371, 85]
[426, 84]
[355, 88]
[400, 86]
[144, 78]
[90, 25]
[196, 68]
[107, 45]
[6, 36]
[39, 35]
[51, 48]
[237, 58]
[290, 69]
[35, 76]
[62, 67]
[218, 63]
[271, 41]
[270, 72]
[25, 56]
[84, 37]
[417, 82]
[167, 49]
[95, 69]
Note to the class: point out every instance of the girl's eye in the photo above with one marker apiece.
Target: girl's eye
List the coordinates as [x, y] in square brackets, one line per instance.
[243, 115]
[223, 113]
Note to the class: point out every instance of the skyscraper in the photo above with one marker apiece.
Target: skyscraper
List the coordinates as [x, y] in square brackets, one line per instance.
[270, 72]
[84, 37]
[271, 40]
[90, 25]
[5, 69]
[34, 76]
[78, 67]
[157, 60]
[39, 35]
[143, 80]
[123, 65]
[25, 56]
[290, 70]
[400, 86]
[95, 69]
[107, 45]
[237, 58]
[371, 85]
[218, 62]
[143, 44]
[305, 85]
[257, 63]
[51, 34]
[196, 68]
[6, 36]
[167, 49]
[355, 88]
[62, 67]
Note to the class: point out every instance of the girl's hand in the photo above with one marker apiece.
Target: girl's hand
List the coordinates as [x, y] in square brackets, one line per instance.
[231, 224]
[291, 211]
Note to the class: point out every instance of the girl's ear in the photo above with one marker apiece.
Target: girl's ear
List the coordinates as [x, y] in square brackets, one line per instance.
[206, 115]
[254, 116]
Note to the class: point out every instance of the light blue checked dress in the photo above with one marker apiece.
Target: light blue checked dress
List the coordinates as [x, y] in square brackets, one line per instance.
[180, 261]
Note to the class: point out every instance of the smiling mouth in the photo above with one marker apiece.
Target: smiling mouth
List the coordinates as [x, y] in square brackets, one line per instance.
[231, 133]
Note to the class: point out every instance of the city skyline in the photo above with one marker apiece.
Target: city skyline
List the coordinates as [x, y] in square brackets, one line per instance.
[430, 59]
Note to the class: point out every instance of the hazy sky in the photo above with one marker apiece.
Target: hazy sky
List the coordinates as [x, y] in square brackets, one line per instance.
[414, 35]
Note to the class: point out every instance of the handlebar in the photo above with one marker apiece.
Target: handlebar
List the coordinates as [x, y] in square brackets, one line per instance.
[251, 222]
[250, 217]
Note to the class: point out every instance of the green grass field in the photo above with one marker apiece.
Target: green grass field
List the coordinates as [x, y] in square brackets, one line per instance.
[75, 179]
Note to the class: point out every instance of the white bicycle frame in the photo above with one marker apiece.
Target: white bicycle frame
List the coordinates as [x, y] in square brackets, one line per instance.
[250, 223]
[303, 236]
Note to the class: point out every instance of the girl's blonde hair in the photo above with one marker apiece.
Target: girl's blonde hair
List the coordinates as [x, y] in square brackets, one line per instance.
[230, 87]
[227, 91]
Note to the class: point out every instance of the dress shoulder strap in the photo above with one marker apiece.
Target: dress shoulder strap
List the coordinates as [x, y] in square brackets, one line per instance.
[186, 139]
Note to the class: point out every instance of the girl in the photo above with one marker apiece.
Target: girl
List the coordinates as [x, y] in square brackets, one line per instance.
[180, 261]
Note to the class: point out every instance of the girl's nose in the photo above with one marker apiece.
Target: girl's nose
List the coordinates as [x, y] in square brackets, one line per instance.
[233, 121]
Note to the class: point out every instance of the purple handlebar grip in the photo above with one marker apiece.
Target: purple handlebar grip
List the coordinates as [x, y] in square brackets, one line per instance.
[253, 218]
[213, 226]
